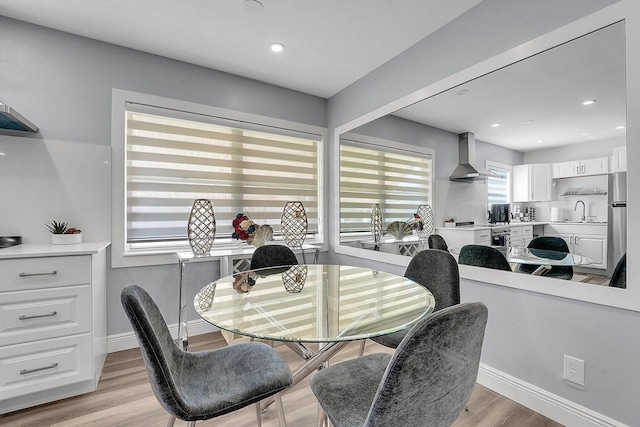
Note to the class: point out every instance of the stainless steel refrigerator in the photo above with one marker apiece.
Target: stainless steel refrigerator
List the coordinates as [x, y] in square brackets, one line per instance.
[617, 219]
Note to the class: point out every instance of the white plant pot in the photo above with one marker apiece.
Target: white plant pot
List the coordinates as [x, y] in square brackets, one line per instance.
[449, 224]
[66, 239]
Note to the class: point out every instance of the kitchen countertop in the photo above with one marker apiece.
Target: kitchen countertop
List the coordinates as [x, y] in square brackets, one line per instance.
[518, 223]
[40, 250]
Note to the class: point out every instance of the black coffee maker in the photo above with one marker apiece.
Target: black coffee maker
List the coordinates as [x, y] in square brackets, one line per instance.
[500, 213]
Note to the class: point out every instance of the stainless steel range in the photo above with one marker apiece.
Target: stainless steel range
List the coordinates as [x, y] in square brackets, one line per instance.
[500, 235]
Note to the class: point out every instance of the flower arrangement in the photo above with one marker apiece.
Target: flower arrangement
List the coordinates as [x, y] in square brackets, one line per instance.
[418, 221]
[248, 231]
[243, 227]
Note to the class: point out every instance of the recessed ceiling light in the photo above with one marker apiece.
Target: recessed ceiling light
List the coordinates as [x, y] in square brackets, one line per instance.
[2, 154]
[462, 92]
[620, 127]
[495, 125]
[589, 102]
[277, 47]
[529, 122]
[540, 141]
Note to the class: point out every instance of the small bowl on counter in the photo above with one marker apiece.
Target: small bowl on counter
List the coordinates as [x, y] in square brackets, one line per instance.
[8, 241]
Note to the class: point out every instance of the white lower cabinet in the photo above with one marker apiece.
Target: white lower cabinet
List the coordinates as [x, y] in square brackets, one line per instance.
[460, 236]
[52, 322]
[585, 240]
[521, 235]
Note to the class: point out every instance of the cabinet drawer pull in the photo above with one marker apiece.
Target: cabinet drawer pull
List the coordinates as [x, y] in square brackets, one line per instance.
[47, 273]
[35, 316]
[29, 371]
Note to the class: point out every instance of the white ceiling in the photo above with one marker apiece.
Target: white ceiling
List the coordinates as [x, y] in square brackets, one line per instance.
[329, 43]
[538, 101]
[332, 43]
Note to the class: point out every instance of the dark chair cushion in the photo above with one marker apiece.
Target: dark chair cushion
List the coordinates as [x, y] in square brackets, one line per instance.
[272, 256]
[550, 243]
[437, 271]
[426, 382]
[436, 241]
[201, 385]
[619, 276]
[483, 256]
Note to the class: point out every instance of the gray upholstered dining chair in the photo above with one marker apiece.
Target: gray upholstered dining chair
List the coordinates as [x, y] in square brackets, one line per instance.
[619, 276]
[437, 271]
[550, 243]
[426, 382]
[193, 386]
[483, 256]
[436, 241]
[272, 256]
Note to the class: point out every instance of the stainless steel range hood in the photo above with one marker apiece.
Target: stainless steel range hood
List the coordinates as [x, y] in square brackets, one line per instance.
[13, 122]
[467, 170]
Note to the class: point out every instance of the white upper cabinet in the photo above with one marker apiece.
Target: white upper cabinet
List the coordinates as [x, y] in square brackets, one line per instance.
[597, 166]
[619, 159]
[531, 183]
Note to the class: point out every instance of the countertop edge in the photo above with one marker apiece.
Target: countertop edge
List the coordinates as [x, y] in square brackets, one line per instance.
[42, 250]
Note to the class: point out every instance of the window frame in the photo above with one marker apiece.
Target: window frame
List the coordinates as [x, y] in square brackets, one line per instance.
[382, 144]
[121, 255]
[490, 164]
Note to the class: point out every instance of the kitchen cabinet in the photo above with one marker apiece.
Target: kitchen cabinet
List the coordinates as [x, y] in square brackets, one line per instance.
[531, 183]
[597, 166]
[619, 159]
[586, 240]
[53, 332]
[460, 236]
[521, 235]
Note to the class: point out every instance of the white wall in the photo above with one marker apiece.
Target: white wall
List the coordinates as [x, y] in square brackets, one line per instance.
[63, 83]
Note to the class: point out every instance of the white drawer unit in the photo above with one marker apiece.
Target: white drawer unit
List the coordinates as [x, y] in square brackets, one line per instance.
[46, 364]
[45, 313]
[45, 272]
[521, 235]
[52, 322]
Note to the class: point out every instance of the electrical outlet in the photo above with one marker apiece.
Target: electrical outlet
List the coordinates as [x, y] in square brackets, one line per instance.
[573, 370]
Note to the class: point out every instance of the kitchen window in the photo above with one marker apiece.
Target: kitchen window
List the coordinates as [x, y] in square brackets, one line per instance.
[172, 156]
[397, 176]
[498, 189]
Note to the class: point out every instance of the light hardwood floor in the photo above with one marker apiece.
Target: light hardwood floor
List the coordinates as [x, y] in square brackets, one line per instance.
[124, 398]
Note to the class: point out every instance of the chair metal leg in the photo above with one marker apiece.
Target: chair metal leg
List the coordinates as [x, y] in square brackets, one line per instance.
[258, 414]
[172, 421]
[322, 417]
[191, 424]
[281, 420]
[361, 352]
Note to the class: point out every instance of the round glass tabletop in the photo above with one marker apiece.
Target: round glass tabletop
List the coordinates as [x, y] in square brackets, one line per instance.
[313, 303]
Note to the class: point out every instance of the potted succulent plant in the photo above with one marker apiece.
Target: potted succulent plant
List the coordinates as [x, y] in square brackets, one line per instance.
[62, 234]
[450, 222]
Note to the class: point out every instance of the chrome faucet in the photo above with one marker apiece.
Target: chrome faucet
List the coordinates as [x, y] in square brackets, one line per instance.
[583, 210]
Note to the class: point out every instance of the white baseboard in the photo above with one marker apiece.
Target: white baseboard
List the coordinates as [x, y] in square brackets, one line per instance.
[550, 405]
[128, 340]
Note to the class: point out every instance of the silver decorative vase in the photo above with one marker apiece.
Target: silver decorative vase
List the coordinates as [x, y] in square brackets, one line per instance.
[376, 222]
[294, 224]
[201, 229]
[426, 215]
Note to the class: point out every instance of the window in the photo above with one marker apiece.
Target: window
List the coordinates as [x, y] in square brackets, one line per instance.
[498, 189]
[172, 157]
[399, 179]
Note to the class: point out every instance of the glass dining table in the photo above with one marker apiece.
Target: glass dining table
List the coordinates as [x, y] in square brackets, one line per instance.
[331, 305]
[543, 258]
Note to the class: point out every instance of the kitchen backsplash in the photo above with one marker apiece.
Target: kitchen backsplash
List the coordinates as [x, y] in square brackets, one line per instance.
[595, 204]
